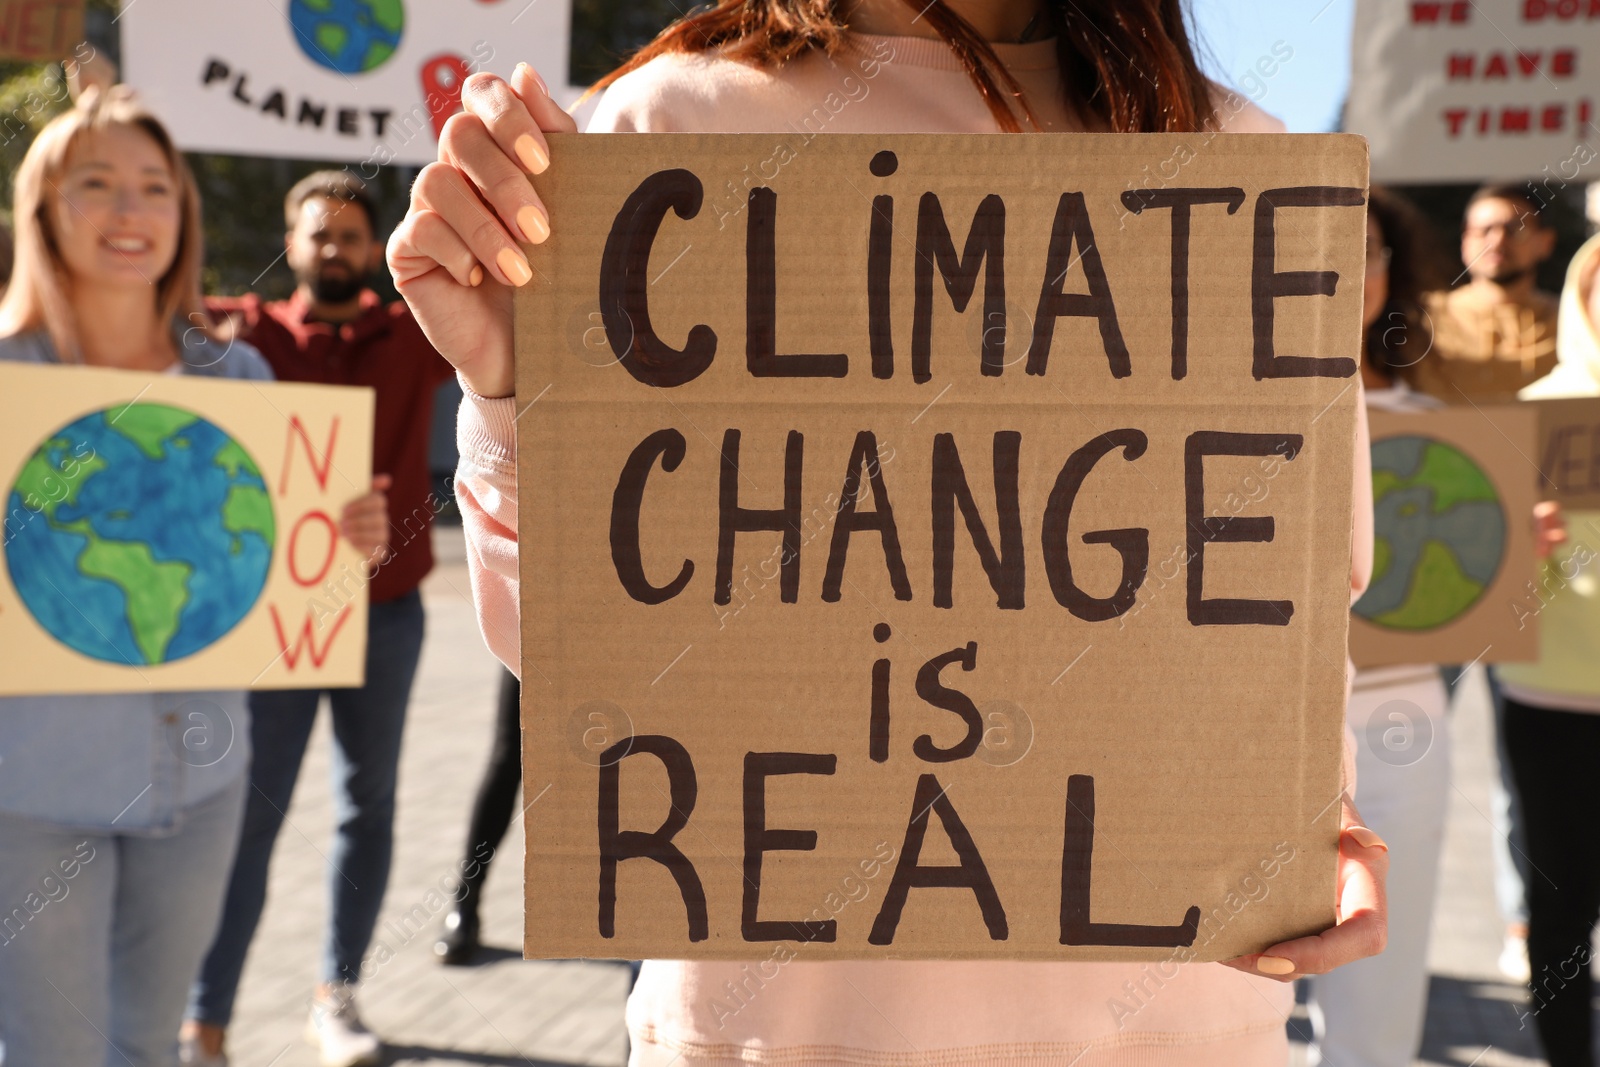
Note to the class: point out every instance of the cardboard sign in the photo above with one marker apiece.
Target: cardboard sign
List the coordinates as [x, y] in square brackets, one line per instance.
[362, 80]
[1477, 90]
[960, 519]
[36, 31]
[1453, 500]
[1568, 453]
[170, 532]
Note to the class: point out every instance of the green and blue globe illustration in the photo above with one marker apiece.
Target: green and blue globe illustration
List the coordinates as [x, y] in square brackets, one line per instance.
[1440, 534]
[348, 36]
[139, 534]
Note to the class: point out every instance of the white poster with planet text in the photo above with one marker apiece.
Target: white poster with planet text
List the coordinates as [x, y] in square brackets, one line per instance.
[368, 82]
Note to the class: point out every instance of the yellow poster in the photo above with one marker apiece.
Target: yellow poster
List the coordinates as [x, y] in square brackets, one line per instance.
[171, 532]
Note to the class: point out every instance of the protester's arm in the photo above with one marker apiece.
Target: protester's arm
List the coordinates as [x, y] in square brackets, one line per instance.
[1549, 528]
[486, 493]
[1361, 559]
[242, 313]
[1361, 506]
[456, 260]
[364, 522]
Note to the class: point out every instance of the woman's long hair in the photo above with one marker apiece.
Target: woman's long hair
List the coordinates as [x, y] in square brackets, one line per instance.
[1402, 334]
[38, 295]
[1127, 65]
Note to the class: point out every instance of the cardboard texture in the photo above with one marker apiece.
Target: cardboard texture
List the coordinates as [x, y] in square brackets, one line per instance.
[1568, 453]
[33, 31]
[176, 533]
[881, 629]
[1453, 503]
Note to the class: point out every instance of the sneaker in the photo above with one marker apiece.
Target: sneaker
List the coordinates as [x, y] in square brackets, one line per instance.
[1514, 959]
[190, 1055]
[338, 1032]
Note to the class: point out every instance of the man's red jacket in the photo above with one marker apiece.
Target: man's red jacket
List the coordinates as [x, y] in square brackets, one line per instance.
[383, 348]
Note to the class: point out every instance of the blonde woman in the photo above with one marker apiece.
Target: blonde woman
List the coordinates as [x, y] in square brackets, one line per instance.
[119, 813]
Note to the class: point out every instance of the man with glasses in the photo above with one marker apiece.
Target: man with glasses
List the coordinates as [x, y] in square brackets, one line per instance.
[1497, 333]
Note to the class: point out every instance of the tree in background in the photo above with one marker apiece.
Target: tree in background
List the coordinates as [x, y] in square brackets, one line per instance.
[605, 32]
[31, 94]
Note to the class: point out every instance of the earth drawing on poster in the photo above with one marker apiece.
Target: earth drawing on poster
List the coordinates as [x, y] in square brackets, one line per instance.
[139, 534]
[348, 36]
[1440, 535]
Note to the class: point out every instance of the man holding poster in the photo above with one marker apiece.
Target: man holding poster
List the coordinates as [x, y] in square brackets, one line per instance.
[683, 472]
[335, 330]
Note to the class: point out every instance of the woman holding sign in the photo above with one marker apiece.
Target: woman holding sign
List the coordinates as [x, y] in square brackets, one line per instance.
[119, 813]
[890, 66]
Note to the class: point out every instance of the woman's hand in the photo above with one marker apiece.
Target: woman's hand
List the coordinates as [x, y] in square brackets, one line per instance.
[456, 260]
[1363, 913]
[365, 524]
[1549, 527]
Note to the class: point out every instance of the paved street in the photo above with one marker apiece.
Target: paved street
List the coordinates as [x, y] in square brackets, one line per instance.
[511, 1011]
[507, 1011]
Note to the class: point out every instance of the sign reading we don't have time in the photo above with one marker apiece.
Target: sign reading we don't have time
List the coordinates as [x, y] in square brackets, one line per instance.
[963, 521]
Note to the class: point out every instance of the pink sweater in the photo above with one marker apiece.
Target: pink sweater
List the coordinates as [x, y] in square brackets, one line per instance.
[882, 1013]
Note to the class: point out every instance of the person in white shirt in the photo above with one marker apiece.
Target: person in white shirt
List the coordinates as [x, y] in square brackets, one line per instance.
[1369, 1014]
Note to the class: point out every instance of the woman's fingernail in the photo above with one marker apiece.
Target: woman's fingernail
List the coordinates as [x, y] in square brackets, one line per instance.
[1274, 965]
[475, 279]
[531, 153]
[514, 266]
[532, 223]
[532, 74]
[1366, 837]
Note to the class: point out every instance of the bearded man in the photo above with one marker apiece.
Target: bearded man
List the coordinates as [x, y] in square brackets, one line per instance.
[1497, 333]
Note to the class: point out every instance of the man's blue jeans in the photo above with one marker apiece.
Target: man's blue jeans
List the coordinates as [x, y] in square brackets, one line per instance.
[367, 725]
